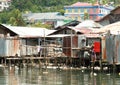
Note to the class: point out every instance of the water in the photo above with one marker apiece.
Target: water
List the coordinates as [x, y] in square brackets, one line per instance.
[35, 76]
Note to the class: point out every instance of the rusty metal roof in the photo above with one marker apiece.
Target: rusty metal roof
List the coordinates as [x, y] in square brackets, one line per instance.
[83, 30]
[92, 35]
[58, 35]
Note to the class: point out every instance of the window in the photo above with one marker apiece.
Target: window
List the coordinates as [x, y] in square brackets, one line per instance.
[82, 10]
[94, 10]
[69, 10]
[76, 10]
[100, 11]
[88, 10]
[66, 11]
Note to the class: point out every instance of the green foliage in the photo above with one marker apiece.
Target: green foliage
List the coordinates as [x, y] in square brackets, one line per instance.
[14, 17]
[86, 16]
[43, 25]
[4, 17]
[41, 5]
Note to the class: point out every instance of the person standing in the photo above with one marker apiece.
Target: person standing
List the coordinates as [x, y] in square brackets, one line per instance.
[93, 55]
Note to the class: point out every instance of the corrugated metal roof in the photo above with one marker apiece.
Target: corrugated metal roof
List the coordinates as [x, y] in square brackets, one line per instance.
[83, 30]
[81, 4]
[92, 35]
[59, 35]
[29, 31]
[44, 16]
[88, 23]
[113, 28]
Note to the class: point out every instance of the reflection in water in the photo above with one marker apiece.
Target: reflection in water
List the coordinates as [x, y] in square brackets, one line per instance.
[2, 76]
[35, 76]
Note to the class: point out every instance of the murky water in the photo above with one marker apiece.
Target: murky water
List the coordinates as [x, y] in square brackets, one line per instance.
[35, 76]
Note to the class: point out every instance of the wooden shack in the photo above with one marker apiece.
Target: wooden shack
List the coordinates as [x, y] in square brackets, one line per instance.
[110, 18]
[20, 41]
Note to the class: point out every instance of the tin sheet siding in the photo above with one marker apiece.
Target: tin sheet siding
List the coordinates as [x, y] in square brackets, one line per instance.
[117, 49]
[12, 46]
[110, 48]
[9, 47]
[23, 47]
[2, 47]
[103, 48]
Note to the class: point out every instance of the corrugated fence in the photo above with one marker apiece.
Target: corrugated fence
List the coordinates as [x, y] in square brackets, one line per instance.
[12, 46]
[112, 48]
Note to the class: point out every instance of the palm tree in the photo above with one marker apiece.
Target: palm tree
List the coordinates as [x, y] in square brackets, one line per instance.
[16, 18]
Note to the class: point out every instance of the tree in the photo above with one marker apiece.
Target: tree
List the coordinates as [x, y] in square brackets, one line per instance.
[43, 25]
[86, 16]
[4, 17]
[62, 11]
[16, 18]
[39, 6]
